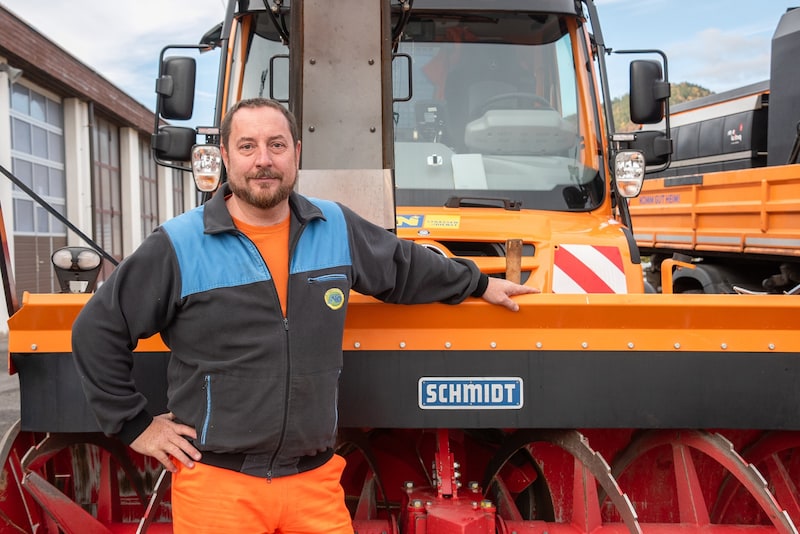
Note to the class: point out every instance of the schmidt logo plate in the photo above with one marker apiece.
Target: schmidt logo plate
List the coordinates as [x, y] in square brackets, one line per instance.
[470, 393]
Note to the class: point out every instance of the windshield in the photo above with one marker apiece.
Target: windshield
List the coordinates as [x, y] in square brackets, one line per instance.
[261, 61]
[493, 113]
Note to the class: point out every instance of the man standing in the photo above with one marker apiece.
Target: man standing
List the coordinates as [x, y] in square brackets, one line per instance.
[249, 292]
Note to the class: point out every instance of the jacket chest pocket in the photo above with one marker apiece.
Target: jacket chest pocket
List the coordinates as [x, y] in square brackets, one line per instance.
[332, 289]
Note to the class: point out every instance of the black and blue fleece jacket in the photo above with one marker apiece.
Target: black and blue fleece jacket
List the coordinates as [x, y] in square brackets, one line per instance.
[252, 382]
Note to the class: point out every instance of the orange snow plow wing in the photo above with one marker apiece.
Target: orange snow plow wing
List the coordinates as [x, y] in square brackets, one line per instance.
[601, 322]
[44, 324]
[565, 351]
[594, 322]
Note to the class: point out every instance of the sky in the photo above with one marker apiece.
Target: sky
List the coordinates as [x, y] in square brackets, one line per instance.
[718, 44]
[122, 39]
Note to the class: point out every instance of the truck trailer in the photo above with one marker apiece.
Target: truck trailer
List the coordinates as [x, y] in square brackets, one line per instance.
[729, 202]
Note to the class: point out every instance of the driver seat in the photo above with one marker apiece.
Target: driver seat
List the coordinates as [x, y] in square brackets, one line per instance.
[470, 84]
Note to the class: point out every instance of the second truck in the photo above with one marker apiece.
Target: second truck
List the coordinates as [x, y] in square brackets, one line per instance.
[729, 205]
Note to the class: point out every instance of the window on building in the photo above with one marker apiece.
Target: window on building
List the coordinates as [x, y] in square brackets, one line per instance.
[178, 179]
[148, 183]
[37, 159]
[106, 189]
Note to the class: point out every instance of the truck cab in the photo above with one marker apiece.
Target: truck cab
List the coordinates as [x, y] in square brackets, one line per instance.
[465, 126]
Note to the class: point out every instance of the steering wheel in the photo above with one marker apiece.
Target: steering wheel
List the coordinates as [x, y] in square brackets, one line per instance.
[536, 101]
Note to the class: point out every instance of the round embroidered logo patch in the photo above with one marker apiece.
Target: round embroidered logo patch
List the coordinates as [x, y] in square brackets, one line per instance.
[334, 298]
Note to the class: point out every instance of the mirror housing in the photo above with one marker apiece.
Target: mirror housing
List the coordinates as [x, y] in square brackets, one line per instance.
[648, 92]
[175, 88]
[653, 144]
[173, 143]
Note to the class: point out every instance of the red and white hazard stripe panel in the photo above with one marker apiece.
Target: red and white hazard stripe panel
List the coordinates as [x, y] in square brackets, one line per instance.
[588, 269]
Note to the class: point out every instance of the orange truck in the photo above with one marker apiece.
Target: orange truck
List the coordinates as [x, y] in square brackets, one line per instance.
[729, 204]
[478, 129]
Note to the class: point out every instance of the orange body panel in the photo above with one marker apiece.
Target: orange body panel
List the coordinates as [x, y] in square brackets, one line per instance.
[752, 211]
[545, 231]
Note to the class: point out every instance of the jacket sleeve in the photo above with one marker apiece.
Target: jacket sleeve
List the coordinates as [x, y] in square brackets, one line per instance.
[400, 271]
[135, 302]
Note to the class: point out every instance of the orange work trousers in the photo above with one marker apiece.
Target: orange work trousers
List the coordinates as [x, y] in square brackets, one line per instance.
[213, 500]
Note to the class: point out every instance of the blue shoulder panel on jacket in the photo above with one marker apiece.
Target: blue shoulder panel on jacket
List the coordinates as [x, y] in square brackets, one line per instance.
[324, 243]
[212, 261]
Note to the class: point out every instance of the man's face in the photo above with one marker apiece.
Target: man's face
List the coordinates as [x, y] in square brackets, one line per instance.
[260, 158]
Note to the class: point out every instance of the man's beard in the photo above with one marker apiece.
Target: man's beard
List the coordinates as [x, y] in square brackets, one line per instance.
[262, 198]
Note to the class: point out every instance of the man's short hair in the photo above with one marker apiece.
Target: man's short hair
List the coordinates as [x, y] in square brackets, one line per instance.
[225, 127]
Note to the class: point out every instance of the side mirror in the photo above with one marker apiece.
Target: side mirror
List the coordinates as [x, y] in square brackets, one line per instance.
[653, 144]
[173, 143]
[648, 92]
[175, 88]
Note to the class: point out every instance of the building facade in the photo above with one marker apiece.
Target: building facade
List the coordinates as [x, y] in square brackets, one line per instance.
[83, 146]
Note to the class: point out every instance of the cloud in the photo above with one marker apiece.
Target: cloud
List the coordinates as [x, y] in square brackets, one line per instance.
[633, 8]
[721, 59]
[121, 40]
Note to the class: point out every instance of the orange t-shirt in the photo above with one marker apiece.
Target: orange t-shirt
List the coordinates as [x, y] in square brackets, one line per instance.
[273, 244]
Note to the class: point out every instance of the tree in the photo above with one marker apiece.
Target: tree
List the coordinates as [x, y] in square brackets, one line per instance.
[681, 92]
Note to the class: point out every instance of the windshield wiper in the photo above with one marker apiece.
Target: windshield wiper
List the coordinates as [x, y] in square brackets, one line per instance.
[483, 202]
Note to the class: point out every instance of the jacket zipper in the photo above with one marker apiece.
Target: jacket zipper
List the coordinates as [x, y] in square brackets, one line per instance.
[285, 421]
[207, 419]
[327, 278]
[287, 384]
